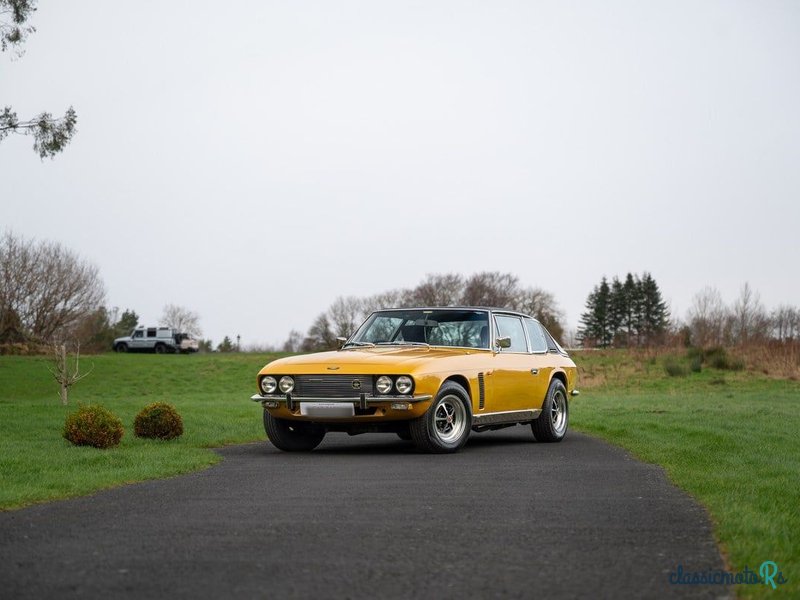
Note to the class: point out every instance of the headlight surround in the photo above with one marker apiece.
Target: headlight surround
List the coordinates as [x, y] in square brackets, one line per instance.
[404, 384]
[286, 384]
[268, 385]
[384, 384]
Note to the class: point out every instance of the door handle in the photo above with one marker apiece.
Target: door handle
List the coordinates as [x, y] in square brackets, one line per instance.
[534, 371]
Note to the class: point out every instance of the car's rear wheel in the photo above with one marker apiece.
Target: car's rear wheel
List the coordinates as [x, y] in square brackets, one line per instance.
[551, 426]
[292, 436]
[121, 347]
[445, 426]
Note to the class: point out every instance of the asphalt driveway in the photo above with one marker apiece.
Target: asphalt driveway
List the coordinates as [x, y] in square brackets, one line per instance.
[368, 517]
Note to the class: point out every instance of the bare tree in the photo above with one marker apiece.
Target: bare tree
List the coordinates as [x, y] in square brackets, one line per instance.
[345, 314]
[491, 289]
[181, 319]
[66, 374]
[706, 318]
[438, 290]
[785, 323]
[45, 289]
[542, 305]
[749, 319]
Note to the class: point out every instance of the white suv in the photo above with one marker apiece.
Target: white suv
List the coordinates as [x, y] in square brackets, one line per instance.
[155, 339]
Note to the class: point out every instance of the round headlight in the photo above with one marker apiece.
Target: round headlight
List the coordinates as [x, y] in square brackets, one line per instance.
[384, 384]
[268, 385]
[286, 384]
[404, 384]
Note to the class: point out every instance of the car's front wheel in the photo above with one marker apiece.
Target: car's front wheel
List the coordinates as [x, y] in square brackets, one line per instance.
[445, 426]
[121, 347]
[292, 436]
[551, 426]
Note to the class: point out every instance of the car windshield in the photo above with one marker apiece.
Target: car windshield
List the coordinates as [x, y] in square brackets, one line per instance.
[429, 327]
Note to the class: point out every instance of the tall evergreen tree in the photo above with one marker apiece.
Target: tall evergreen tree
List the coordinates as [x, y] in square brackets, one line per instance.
[654, 313]
[595, 327]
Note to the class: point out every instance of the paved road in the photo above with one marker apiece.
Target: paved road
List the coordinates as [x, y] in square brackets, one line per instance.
[368, 517]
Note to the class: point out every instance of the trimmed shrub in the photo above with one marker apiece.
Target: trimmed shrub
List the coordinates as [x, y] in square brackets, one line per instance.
[93, 425]
[160, 421]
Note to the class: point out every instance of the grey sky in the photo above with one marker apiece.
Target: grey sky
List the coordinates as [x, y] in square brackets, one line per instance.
[254, 160]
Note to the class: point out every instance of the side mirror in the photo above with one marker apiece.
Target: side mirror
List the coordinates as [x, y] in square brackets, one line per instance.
[503, 342]
[341, 340]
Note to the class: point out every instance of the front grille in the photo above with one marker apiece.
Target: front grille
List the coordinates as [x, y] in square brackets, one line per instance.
[332, 386]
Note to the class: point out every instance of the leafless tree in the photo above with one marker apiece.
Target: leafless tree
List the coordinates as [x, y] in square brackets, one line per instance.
[542, 305]
[437, 290]
[294, 342]
[45, 289]
[491, 289]
[706, 318]
[66, 374]
[749, 319]
[181, 319]
[786, 323]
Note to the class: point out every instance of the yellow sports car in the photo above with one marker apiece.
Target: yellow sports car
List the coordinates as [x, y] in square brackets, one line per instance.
[431, 375]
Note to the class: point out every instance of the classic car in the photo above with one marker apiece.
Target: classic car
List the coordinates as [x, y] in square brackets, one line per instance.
[430, 375]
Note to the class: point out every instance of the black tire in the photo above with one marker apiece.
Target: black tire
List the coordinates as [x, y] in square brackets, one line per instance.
[551, 426]
[404, 435]
[447, 423]
[160, 348]
[292, 436]
[121, 347]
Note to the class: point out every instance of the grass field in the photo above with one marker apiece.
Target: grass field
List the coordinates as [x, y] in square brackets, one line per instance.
[210, 391]
[731, 439]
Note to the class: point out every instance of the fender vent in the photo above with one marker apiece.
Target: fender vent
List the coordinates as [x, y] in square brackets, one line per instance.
[481, 391]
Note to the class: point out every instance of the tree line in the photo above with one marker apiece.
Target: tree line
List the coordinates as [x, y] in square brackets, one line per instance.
[49, 294]
[624, 314]
[493, 289]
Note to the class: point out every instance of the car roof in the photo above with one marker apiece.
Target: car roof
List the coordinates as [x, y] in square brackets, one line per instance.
[493, 309]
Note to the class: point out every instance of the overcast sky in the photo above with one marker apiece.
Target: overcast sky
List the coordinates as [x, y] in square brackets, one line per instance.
[254, 160]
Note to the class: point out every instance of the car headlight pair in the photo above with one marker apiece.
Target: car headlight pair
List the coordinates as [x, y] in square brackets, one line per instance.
[402, 384]
[269, 384]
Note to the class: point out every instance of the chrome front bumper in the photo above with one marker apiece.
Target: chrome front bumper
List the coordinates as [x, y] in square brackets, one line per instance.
[362, 400]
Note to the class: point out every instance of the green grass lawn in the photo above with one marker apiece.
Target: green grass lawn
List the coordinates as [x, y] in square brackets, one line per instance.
[732, 440]
[211, 392]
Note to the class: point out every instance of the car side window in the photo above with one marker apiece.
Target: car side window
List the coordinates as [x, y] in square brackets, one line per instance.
[511, 327]
[536, 335]
[138, 333]
[151, 333]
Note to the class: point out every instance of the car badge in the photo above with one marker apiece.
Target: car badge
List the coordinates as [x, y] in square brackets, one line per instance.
[333, 368]
[356, 384]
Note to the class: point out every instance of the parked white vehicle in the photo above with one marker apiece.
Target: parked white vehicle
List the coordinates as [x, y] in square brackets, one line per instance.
[156, 339]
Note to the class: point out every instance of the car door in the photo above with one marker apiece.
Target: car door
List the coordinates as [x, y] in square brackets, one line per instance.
[515, 378]
[541, 363]
[137, 339]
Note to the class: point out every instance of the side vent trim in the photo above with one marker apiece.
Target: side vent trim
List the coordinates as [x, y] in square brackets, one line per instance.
[481, 391]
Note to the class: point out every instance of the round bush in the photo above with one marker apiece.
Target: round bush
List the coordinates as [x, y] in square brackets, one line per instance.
[159, 420]
[93, 425]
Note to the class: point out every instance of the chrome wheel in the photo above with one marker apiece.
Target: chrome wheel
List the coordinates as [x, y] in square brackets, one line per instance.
[551, 426]
[558, 412]
[446, 424]
[450, 419]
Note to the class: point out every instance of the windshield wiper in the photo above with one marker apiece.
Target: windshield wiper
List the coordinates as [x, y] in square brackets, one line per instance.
[369, 344]
[404, 343]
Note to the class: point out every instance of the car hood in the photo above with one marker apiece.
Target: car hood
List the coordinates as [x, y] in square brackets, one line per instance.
[365, 359]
